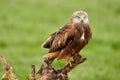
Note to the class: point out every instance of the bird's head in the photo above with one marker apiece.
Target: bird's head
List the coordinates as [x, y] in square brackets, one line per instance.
[80, 17]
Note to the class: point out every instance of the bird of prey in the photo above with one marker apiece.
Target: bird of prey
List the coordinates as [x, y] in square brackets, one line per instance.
[70, 39]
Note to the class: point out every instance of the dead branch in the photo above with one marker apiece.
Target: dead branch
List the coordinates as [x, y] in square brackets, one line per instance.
[32, 75]
[49, 73]
[8, 74]
[76, 62]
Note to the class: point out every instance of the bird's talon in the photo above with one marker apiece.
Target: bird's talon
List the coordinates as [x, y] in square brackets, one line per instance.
[69, 61]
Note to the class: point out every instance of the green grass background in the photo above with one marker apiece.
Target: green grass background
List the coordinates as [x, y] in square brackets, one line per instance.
[26, 24]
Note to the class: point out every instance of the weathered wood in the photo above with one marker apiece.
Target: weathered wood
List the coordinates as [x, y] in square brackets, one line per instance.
[49, 73]
[32, 75]
[8, 74]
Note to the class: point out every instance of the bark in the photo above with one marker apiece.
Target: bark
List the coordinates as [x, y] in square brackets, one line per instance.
[8, 74]
[48, 72]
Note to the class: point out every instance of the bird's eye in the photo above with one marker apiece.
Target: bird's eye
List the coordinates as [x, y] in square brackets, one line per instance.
[78, 16]
[84, 17]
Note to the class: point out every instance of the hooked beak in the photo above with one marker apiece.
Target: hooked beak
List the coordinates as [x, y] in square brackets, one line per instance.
[81, 20]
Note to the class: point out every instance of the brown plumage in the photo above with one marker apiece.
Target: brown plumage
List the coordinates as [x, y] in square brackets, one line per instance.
[70, 39]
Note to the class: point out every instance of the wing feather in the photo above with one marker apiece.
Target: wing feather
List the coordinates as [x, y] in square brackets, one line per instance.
[59, 39]
[48, 42]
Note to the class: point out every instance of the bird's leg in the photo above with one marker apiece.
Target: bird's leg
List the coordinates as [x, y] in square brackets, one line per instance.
[48, 59]
[69, 60]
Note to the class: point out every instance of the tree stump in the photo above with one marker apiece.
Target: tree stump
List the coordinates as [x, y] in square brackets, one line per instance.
[49, 73]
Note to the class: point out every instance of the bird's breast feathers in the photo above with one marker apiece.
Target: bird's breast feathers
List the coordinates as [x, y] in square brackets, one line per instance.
[82, 37]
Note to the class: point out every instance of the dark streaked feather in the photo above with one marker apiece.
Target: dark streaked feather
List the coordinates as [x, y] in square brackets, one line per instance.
[61, 36]
[67, 40]
[88, 33]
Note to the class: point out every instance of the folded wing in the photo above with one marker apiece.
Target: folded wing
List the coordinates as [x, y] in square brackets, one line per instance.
[59, 39]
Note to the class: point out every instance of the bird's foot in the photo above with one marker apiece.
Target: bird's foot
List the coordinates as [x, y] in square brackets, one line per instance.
[69, 61]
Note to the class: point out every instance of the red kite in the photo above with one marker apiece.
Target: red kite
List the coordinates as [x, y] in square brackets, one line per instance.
[70, 39]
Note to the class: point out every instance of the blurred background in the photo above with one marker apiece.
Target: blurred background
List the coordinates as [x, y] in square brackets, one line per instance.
[26, 24]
